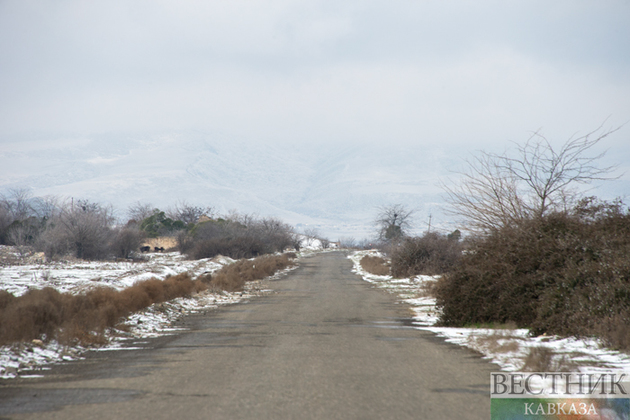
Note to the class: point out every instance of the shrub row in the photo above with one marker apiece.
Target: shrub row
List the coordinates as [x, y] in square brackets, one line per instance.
[237, 248]
[566, 273]
[237, 237]
[64, 316]
[375, 265]
[234, 276]
[50, 314]
[430, 254]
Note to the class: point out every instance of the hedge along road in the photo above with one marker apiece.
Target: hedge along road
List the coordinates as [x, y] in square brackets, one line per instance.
[326, 345]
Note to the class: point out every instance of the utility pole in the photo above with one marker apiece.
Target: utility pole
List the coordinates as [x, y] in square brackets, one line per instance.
[429, 231]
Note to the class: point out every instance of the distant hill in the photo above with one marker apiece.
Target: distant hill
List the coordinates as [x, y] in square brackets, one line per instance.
[335, 189]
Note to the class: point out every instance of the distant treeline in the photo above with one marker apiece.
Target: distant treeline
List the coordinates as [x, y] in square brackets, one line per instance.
[89, 230]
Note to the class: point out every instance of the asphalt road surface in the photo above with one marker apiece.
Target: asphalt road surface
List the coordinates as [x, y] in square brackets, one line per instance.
[327, 345]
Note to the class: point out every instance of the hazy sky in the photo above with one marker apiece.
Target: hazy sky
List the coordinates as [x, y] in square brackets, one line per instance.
[474, 73]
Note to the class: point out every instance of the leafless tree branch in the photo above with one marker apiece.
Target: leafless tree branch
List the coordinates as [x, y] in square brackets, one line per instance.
[499, 190]
[393, 222]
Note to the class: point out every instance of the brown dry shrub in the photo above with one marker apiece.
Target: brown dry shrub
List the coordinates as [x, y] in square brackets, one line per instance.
[238, 236]
[500, 341]
[430, 254]
[49, 314]
[566, 273]
[239, 247]
[153, 288]
[83, 317]
[234, 276]
[180, 285]
[375, 265]
[33, 314]
[427, 288]
[543, 359]
[133, 298]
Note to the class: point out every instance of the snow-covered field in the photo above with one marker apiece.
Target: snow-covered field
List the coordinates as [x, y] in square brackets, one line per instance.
[78, 276]
[508, 348]
[30, 359]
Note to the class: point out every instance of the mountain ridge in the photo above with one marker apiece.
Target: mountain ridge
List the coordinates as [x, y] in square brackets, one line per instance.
[334, 189]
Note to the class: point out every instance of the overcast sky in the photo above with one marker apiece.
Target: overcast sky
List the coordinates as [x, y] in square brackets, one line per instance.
[475, 73]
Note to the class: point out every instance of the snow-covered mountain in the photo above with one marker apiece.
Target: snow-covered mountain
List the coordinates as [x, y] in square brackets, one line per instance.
[336, 189]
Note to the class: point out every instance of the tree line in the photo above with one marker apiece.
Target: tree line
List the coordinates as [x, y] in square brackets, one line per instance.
[89, 230]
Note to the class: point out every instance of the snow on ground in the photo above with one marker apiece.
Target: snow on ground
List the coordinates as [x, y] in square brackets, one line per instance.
[508, 348]
[78, 276]
[30, 359]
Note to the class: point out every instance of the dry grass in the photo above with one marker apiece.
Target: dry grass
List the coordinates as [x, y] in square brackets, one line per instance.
[538, 358]
[500, 341]
[375, 265]
[234, 276]
[428, 288]
[49, 314]
[543, 359]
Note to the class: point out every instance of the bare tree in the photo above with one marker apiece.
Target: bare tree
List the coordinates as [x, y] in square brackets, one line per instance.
[393, 222]
[5, 221]
[275, 234]
[188, 213]
[22, 236]
[19, 202]
[500, 190]
[47, 207]
[17, 216]
[238, 236]
[127, 240]
[347, 242]
[310, 236]
[53, 241]
[139, 211]
[87, 228]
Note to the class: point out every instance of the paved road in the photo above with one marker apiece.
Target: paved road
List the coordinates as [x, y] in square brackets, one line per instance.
[325, 346]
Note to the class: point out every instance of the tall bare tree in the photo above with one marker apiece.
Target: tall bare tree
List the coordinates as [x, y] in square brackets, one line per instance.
[47, 207]
[393, 222]
[86, 227]
[499, 190]
[17, 216]
[19, 202]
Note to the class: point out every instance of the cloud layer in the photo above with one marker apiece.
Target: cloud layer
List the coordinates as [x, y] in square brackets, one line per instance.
[318, 71]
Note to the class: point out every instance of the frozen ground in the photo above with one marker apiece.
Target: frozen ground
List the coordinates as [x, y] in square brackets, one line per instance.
[508, 348]
[25, 272]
